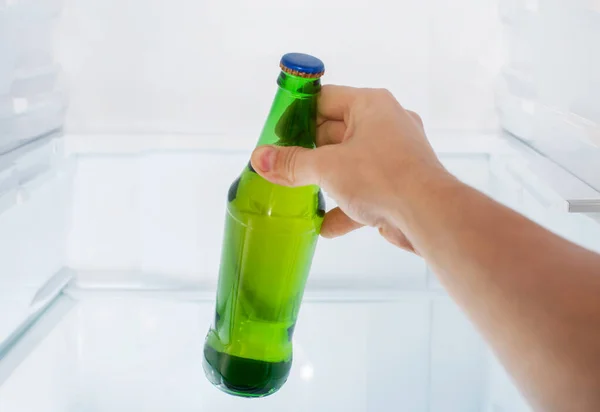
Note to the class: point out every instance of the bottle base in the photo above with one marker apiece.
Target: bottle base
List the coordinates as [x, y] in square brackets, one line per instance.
[244, 377]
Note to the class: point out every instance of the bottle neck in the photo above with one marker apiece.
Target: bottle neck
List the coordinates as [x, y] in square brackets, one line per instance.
[292, 120]
[299, 86]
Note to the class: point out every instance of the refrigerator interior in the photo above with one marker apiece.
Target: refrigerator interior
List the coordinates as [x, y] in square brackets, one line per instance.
[111, 312]
[118, 143]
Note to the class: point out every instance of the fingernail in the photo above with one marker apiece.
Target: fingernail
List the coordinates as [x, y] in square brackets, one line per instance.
[266, 158]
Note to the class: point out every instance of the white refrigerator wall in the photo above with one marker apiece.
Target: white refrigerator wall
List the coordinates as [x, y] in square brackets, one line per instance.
[144, 68]
[163, 214]
[209, 67]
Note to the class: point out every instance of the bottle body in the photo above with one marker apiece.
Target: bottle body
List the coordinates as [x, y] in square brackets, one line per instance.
[270, 237]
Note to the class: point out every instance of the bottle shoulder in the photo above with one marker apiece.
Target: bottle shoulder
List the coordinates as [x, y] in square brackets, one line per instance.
[250, 193]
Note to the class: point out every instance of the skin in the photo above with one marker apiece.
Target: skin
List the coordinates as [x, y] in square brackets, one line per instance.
[534, 296]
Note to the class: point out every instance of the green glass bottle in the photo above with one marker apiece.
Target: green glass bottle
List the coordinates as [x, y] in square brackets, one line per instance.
[271, 233]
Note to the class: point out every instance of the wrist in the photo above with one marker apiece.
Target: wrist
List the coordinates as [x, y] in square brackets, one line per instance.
[425, 191]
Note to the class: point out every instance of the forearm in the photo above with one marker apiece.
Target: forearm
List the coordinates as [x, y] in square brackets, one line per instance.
[535, 296]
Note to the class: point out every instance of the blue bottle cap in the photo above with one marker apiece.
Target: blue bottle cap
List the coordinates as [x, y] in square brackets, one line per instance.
[302, 65]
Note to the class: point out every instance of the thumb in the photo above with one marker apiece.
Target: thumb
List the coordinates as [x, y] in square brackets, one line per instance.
[288, 166]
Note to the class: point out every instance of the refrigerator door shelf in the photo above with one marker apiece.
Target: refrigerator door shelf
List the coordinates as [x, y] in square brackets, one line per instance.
[35, 189]
[28, 165]
[35, 117]
[32, 251]
[551, 101]
[26, 85]
[554, 186]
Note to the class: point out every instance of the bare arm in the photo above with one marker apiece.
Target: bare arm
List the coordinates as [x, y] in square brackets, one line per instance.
[534, 296]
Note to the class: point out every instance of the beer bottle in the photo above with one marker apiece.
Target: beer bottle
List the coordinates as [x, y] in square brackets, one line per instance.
[270, 236]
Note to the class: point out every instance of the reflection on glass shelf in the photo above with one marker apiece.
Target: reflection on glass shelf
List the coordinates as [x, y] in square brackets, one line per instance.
[132, 353]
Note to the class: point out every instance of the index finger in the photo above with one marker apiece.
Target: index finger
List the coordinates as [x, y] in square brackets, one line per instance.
[335, 102]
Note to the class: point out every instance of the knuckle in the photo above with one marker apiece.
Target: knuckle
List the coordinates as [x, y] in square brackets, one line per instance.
[383, 93]
[289, 165]
[380, 97]
[416, 116]
[326, 162]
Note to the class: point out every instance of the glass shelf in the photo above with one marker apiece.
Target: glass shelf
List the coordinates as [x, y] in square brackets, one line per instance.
[109, 350]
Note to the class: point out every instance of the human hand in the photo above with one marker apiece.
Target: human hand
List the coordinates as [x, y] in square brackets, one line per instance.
[370, 153]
